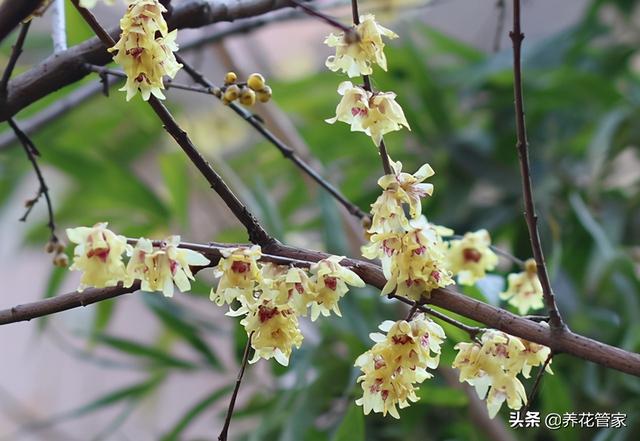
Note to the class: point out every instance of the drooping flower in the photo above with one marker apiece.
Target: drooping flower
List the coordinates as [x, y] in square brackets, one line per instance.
[524, 290]
[419, 266]
[293, 285]
[355, 54]
[397, 362]
[329, 282]
[372, 113]
[492, 365]
[145, 49]
[99, 254]
[159, 268]
[408, 188]
[470, 257]
[239, 273]
[273, 327]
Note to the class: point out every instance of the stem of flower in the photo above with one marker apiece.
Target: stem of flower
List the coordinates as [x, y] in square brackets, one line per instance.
[232, 402]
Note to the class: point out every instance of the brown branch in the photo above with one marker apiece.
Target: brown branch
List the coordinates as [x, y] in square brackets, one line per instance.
[559, 342]
[536, 383]
[12, 12]
[522, 145]
[232, 402]
[67, 67]
[16, 50]
[286, 151]
[315, 13]
[31, 151]
[255, 231]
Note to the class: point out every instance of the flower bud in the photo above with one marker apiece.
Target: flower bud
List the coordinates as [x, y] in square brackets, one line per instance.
[232, 93]
[264, 95]
[247, 97]
[61, 260]
[230, 78]
[50, 247]
[256, 82]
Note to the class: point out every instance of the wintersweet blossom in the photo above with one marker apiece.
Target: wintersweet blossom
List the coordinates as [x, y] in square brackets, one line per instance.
[492, 365]
[239, 273]
[145, 49]
[355, 55]
[99, 255]
[524, 290]
[419, 266]
[293, 285]
[330, 281]
[398, 361]
[272, 325]
[158, 269]
[470, 257]
[372, 113]
[408, 188]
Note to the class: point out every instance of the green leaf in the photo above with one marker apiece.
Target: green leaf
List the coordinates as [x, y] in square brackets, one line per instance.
[153, 355]
[194, 412]
[352, 426]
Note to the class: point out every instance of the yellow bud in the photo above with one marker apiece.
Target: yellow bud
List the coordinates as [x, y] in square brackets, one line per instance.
[256, 82]
[530, 266]
[61, 260]
[264, 95]
[225, 101]
[230, 78]
[232, 93]
[247, 97]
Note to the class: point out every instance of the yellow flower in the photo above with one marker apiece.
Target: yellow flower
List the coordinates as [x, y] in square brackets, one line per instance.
[397, 362]
[419, 266]
[273, 326]
[159, 269]
[145, 49]
[524, 290]
[239, 273]
[408, 188]
[99, 255]
[505, 388]
[373, 114]
[470, 257]
[330, 281]
[533, 355]
[354, 56]
[293, 285]
[388, 215]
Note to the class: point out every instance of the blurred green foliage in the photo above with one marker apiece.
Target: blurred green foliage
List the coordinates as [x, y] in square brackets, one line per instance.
[582, 96]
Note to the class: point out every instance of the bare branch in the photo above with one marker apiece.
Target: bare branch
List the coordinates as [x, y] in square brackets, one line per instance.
[536, 383]
[559, 341]
[12, 12]
[13, 59]
[324, 17]
[522, 146]
[234, 396]
[31, 151]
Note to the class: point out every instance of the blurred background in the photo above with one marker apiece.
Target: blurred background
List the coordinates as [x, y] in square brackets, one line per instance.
[143, 367]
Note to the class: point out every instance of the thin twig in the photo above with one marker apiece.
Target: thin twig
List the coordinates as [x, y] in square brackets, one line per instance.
[322, 16]
[58, 26]
[31, 151]
[232, 402]
[536, 384]
[382, 148]
[256, 233]
[13, 59]
[522, 146]
[473, 331]
[286, 151]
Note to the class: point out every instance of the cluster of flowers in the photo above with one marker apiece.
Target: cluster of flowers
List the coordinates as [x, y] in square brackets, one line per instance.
[255, 88]
[99, 255]
[145, 49]
[493, 364]
[374, 113]
[272, 297]
[398, 361]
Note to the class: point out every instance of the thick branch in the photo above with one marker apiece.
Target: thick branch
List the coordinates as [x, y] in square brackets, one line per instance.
[68, 66]
[12, 12]
[563, 341]
[522, 145]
